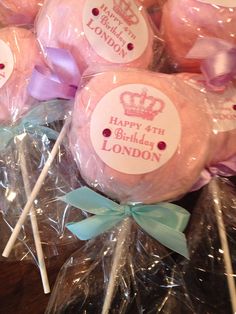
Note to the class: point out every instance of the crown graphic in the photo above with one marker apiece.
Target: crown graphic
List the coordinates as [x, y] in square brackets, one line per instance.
[141, 105]
[124, 10]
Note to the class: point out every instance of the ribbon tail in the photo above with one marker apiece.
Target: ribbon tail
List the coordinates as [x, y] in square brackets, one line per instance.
[93, 226]
[90, 201]
[170, 238]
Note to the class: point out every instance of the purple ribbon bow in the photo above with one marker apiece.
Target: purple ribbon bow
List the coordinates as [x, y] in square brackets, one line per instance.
[59, 79]
[219, 60]
[224, 169]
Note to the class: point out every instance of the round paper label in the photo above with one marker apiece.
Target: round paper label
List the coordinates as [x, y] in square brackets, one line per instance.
[221, 3]
[115, 29]
[135, 129]
[6, 63]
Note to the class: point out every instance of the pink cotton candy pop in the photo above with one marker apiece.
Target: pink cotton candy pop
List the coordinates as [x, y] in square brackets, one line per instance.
[103, 32]
[184, 21]
[136, 135]
[19, 54]
[19, 12]
[225, 117]
[221, 106]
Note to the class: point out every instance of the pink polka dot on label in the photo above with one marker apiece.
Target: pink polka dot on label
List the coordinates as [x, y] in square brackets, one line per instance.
[2, 66]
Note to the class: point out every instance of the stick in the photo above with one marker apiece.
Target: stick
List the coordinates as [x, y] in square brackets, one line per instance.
[37, 240]
[119, 252]
[224, 242]
[35, 190]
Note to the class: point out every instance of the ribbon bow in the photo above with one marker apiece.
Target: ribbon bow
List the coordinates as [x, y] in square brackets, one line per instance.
[225, 169]
[218, 60]
[164, 221]
[60, 79]
[33, 122]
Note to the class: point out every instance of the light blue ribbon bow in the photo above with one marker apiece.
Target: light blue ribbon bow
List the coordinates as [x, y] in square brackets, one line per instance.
[33, 122]
[164, 221]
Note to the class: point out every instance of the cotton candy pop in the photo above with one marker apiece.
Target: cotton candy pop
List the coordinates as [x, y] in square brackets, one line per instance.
[184, 21]
[19, 54]
[18, 12]
[136, 135]
[221, 106]
[103, 32]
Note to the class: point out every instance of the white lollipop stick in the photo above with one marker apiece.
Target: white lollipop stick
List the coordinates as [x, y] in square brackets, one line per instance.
[34, 223]
[119, 252]
[35, 190]
[213, 187]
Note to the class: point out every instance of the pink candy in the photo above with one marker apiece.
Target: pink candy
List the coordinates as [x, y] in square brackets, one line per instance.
[183, 21]
[139, 136]
[101, 32]
[222, 109]
[19, 54]
[19, 12]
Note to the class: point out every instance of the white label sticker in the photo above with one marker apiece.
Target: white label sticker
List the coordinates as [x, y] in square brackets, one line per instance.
[221, 3]
[135, 129]
[115, 29]
[6, 63]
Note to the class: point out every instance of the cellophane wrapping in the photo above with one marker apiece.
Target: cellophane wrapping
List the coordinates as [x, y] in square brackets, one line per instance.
[205, 274]
[21, 163]
[147, 279]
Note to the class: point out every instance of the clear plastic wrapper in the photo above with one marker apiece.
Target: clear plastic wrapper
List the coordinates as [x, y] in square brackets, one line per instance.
[20, 52]
[19, 12]
[100, 32]
[185, 21]
[205, 274]
[24, 149]
[130, 129]
[148, 279]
